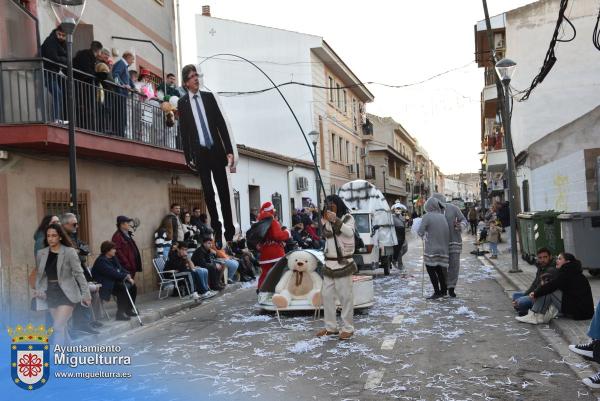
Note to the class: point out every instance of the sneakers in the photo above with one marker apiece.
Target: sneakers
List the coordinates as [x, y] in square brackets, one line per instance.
[195, 295]
[451, 292]
[436, 295]
[586, 350]
[346, 335]
[325, 332]
[592, 381]
[208, 294]
[531, 318]
[550, 314]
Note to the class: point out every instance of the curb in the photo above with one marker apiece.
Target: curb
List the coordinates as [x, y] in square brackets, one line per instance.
[119, 328]
[560, 341]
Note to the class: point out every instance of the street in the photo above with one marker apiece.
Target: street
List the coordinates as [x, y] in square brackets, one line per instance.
[468, 348]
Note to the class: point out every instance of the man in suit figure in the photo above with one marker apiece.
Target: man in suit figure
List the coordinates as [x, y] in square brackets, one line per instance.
[207, 146]
[121, 76]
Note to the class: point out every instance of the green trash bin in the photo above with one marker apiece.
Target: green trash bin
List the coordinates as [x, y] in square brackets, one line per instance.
[545, 232]
[525, 225]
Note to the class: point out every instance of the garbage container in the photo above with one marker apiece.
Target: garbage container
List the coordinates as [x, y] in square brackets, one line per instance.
[581, 236]
[541, 230]
[525, 223]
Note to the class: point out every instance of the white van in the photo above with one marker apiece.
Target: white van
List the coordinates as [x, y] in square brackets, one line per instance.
[374, 223]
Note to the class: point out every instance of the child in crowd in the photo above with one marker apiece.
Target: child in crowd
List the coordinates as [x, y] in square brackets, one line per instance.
[493, 238]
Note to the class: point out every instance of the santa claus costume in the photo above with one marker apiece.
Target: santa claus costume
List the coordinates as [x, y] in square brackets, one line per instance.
[272, 247]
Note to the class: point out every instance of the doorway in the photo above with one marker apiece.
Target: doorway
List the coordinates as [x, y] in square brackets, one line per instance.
[254, 201]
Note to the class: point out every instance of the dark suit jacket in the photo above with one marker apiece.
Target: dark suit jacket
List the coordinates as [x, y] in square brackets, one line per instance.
[121, 71]
[194, 153]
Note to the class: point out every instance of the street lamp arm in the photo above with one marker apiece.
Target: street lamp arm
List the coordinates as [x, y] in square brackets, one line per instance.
[313, 154]
[162, 55]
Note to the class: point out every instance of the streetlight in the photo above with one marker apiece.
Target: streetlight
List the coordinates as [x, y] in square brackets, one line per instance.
[505, 69]
[314, 136]
[383, 166]
[481, 180]
[68, 13]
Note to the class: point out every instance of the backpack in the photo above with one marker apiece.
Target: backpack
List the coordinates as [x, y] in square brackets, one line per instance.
[257, 232]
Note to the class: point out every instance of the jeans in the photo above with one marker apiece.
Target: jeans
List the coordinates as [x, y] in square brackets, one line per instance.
[524, 303]
[202, 274]
[231, 265]
[594, 330]
[493, 248]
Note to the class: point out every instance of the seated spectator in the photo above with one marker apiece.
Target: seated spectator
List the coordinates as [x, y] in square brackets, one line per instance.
[114, 280]
[568, 292]
[521, 300]
[163, 237]
[231, 263]
[196, 277]
[192, 233]
[205, 257]
[591, 350]
[247, 261]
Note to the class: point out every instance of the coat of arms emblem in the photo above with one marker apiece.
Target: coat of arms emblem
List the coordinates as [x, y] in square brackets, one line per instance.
[30, 356]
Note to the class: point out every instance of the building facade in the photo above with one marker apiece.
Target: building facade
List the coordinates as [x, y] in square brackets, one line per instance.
[554, 130]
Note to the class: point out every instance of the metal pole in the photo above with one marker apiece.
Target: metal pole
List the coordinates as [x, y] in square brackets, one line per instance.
[71, 117]
[481, 188]
[384, 189]
[320, 226]
[510, 160]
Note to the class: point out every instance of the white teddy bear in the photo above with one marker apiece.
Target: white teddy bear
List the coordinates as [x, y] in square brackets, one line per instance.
[301, 281]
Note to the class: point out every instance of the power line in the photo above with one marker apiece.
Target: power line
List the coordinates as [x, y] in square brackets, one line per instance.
[361, 84]
[550, 58]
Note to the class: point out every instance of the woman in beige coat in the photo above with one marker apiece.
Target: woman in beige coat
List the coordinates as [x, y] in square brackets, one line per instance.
[60, 283]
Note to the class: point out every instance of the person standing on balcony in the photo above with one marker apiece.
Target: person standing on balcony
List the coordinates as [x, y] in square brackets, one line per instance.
[209, 148]
[54, 49]
[168, 88]
[84, 64]
[121, 76]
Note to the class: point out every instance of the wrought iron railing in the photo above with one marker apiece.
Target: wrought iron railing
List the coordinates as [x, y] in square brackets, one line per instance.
[33, 91]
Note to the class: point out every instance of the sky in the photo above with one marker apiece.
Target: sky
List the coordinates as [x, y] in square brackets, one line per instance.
[394, 42]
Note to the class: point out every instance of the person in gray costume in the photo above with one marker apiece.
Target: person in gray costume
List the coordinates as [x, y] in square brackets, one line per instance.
[435, 234]
[456, 223]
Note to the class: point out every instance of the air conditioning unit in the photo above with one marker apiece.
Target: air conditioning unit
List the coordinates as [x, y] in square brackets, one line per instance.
[301, 184]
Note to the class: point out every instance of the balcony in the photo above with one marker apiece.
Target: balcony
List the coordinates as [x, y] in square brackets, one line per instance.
[111, 123]
[496, 160]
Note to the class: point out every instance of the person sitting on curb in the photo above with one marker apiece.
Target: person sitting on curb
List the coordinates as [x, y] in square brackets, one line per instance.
[591, 350]
[230, 263]
[545, 265]
[568, 292]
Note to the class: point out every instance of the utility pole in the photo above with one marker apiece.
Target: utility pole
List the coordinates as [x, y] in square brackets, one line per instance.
[504, 99]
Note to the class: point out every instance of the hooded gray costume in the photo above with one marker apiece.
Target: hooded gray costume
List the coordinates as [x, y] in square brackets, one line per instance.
[453, 215]
[435, 233]
[434, 230]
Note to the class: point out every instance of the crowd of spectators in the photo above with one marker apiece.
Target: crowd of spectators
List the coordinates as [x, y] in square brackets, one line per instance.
[110, 96]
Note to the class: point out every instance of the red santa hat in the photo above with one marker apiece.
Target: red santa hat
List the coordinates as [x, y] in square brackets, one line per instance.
[267, 207]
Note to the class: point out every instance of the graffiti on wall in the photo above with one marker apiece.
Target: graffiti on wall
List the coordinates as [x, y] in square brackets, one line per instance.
[561, 183]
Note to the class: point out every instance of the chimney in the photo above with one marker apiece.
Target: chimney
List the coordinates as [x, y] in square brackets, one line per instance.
[206, 11]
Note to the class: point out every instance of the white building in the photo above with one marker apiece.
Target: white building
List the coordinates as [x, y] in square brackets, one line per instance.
[555, 132]
[262, 121]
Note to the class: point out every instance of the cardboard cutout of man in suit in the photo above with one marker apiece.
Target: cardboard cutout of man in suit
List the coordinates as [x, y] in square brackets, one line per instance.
[208, 146]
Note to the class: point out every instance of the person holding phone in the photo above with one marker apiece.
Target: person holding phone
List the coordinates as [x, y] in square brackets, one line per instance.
[60, 282]
[338, 230]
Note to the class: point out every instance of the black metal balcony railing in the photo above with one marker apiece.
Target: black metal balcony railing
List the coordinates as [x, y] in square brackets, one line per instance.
[34, 92]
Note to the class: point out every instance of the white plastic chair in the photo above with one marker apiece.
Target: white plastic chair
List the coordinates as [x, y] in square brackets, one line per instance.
[168, 278]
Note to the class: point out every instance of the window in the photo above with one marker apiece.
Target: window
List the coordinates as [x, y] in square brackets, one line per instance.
[354, 115]
[525, 186]
[277, 204]
[345, 101]
[333, 153]
[188, 198]
[339, 97]
[341, 150]
[238, 206]
[331, 90]
[56, 202]
[347, 152]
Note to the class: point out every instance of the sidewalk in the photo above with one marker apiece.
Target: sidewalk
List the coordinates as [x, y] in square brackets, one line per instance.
[570, 331]
[151, 309]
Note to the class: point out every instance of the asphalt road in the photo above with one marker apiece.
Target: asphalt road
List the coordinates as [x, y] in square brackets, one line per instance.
[468, 348]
